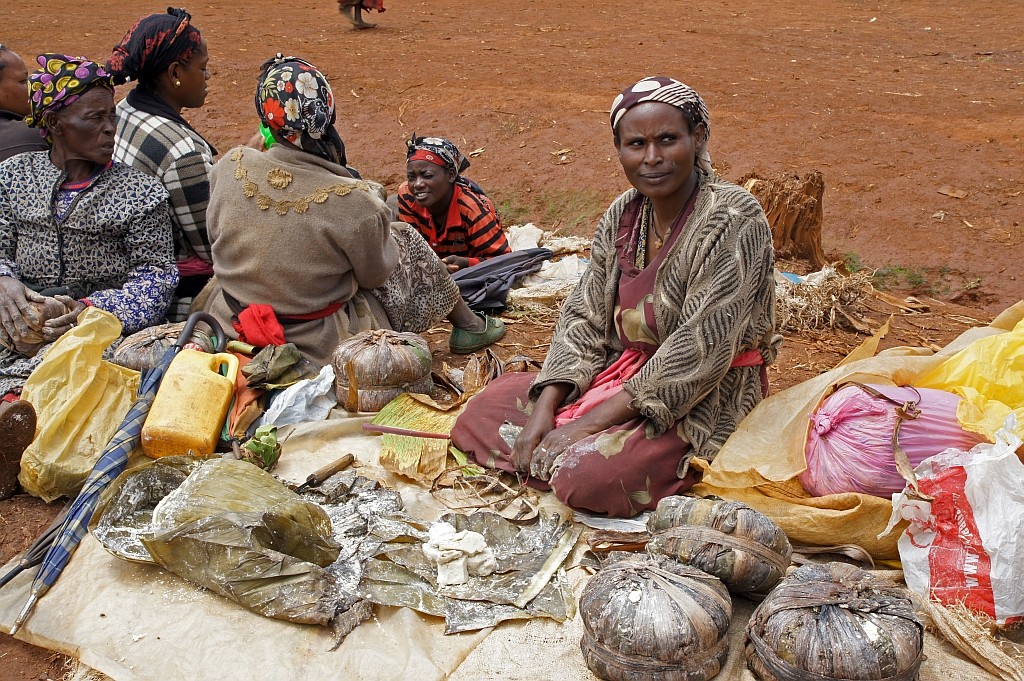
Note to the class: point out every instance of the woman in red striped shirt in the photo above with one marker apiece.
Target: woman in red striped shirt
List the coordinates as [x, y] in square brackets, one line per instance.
[451, 212]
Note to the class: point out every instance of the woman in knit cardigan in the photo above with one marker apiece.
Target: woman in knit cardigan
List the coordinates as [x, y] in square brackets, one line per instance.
[307, 254]
[660, 351]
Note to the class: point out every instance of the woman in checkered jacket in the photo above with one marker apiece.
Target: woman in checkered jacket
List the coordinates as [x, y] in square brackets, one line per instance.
[167, 57]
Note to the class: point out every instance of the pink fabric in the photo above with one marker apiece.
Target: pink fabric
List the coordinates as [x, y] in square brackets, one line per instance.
[750, 358]
[194, 266]
[606, 384]
[609, 382]
[849, 446]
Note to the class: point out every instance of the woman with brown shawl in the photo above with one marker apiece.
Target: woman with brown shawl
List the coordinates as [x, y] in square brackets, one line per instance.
[307, 254]
[660, 350]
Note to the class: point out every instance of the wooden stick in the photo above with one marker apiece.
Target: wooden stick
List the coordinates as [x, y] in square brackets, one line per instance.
[392, 430]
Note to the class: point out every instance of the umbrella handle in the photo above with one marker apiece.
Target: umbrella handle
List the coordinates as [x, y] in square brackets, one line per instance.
[218, 332]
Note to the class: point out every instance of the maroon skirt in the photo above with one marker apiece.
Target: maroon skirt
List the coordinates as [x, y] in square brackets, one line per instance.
[620, 471]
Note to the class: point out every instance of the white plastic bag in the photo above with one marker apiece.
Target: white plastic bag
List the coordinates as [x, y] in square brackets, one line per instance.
[962, 545]
[308, 400]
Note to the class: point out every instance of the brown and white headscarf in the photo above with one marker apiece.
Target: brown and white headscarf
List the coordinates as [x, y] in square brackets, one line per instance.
[673, 93]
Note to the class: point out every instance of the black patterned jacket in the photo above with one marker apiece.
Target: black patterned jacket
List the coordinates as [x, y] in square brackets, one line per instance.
[113, 248]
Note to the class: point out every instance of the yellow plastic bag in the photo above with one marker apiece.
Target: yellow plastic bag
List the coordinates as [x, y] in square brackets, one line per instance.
[989, 376]
[759, 464]
[80, 400]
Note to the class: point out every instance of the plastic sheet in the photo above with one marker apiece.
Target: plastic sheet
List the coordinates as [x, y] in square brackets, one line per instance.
[963, 545]
[989, 375]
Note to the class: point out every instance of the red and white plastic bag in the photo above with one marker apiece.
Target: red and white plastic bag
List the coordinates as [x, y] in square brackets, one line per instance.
[963, 544]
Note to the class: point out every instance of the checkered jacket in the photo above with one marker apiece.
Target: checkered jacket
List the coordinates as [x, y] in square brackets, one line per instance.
[181, 160]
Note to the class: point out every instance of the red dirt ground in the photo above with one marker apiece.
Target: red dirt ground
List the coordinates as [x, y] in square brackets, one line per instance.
[901, 105]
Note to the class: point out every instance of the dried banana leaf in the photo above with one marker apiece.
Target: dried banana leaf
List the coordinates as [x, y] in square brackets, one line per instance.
[529, 561]
[234, 529]
[480, 370]
[422, 459]
[125, 510]
[465, 489]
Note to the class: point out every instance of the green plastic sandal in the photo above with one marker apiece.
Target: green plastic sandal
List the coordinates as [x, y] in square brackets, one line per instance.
[462, 342]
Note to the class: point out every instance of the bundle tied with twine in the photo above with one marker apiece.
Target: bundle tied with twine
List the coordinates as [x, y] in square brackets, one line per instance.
[727, 539]
[824, 300]
[652, 619]
[835, 621]
[374, 367]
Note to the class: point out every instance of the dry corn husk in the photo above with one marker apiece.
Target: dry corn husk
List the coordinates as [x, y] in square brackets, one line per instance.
[727, 539]
[374, 367]
[652, 619]
[33, 340]
[835, 621]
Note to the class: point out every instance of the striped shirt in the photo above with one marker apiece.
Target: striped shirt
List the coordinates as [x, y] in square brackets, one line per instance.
[472, 229]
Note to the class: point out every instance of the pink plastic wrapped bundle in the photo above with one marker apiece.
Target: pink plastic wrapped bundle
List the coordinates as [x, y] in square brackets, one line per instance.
[849, 446]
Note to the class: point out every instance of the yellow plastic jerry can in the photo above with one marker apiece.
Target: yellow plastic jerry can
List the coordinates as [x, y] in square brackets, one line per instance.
[189, 409]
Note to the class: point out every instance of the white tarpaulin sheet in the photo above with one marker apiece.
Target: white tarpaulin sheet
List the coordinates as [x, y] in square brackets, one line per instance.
[140, 623]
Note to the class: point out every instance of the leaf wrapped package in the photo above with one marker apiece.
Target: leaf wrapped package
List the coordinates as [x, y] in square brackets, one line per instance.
[727, 539]
[835, 621]
[652, 619]
[237, 531]
[373, 367]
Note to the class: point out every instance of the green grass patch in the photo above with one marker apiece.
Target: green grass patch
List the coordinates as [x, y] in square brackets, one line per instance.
[572, 212]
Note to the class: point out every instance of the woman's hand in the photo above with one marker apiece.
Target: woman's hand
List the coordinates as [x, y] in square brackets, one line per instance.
[555, 443]
[55, 327]
[455, 262]
[612, 411]
[16, 311]
[540, 423]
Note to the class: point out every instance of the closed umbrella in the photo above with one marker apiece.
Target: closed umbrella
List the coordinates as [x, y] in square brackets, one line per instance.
[110, 464]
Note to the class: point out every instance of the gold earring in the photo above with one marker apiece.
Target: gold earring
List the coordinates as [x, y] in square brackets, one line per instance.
[177, 83]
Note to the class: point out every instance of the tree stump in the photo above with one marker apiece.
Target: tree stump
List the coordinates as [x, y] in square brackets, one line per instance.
[793, 207]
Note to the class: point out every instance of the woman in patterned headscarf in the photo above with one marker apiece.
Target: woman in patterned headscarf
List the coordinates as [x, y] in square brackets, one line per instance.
[306, 253]
[76, 228]
[660, 351]
[166, 55]
[449, 210]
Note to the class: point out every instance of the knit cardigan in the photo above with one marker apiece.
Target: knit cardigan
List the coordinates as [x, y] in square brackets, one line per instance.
[714, 297]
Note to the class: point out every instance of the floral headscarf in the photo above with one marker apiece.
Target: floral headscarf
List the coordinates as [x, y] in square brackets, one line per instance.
[436, 150]
[296, 102]
[153, 44]
[58, 83]
[674, 93]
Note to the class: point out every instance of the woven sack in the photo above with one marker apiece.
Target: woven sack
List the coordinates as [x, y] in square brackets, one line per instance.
[727, 539]
[835, 622]
[648, 618]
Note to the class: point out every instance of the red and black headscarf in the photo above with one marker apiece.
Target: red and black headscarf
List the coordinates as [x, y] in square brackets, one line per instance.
[153, 44]
[436, 150]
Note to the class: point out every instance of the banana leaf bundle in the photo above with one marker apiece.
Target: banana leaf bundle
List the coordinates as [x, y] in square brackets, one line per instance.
[653, 619]
[374, 367]
[727, 539]
[835, 621]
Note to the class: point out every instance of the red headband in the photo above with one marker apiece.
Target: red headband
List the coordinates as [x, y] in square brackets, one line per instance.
[423, 155]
